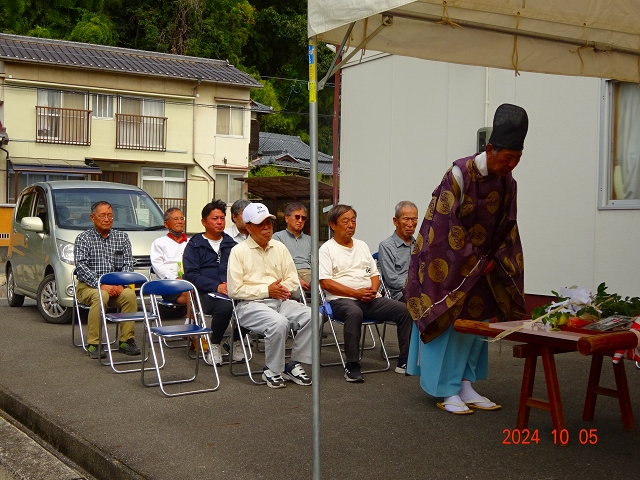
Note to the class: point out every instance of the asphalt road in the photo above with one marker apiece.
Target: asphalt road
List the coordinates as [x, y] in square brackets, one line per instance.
[386, 427]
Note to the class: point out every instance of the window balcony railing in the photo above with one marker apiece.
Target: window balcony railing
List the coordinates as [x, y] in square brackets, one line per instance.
[67, 126]
[137, 132]
[167, 203]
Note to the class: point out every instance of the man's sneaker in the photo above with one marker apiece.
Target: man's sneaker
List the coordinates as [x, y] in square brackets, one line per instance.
[216, 354]
[274, 380]
[293, 371]
[92, 350]
[129, 347]
[238, 355]
[352, 373]
[402, 368]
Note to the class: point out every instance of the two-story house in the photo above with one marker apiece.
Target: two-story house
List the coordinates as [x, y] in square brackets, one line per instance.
[176, 126]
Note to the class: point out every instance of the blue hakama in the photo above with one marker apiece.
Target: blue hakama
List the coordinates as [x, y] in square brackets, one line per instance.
[446, 360]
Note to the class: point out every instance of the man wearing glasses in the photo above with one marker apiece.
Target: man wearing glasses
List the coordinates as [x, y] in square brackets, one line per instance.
[297, 242]
[98, 251]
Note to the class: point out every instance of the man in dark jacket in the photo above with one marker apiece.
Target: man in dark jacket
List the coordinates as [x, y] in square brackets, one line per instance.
[205, 261]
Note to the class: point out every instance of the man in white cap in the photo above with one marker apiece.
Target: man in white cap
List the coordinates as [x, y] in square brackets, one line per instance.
[261, 277]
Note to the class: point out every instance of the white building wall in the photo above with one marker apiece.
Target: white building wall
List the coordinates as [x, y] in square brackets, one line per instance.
[404, 121]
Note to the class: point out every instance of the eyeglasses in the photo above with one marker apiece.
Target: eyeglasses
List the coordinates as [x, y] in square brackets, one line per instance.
[298, 217]
[105, 216]
[175, 219]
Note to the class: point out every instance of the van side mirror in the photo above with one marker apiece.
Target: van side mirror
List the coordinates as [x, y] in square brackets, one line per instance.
[32, 224]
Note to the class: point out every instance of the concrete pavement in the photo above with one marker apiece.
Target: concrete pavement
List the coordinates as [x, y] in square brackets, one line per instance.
[387, 427]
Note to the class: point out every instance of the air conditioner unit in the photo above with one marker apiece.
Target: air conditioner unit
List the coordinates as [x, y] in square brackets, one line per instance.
[484, 134]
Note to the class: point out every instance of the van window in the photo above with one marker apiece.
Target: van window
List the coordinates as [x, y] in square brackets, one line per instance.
[24, 209]
[41, 212]
[132, 209]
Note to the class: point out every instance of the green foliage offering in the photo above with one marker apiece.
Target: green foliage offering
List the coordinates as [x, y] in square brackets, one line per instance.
[614, 304]
[603, 305]
[266, 171]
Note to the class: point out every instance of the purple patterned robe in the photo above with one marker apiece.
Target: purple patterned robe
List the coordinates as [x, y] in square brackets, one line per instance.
[445, 280]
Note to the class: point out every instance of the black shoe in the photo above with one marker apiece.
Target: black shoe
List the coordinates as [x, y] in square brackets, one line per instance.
[92, 350]
[129, 347]
[352, 372]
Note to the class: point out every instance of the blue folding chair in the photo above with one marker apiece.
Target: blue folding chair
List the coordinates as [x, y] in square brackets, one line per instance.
[156, 289]
[76, 321]
[124, 279]
[77, 306]
[384, 291]
[326, 311]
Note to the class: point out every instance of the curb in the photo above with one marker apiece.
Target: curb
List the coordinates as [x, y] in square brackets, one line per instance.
[81, 452]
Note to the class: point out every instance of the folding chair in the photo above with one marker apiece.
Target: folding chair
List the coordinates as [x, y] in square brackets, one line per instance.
[384, 291]
[77, 306]
[172, 307]
[246, 349]
[155, 289]
[76, 320]
[325, 310]
[123, 279]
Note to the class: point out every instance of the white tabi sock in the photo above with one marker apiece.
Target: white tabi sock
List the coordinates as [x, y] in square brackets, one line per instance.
[458, 406]
[469, 395]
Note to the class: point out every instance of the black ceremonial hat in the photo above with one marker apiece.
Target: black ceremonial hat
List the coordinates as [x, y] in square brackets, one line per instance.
[510, 125]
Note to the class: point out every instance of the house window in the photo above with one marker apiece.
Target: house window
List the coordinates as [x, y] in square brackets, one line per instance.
[167, 186]
[621, 182]
[62, 117]
[230, 120]
[102, 106]
[228, 189]
[25, 179]
[141, 124]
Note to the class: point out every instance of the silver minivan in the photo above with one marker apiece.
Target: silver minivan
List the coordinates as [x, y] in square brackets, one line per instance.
[47, 219]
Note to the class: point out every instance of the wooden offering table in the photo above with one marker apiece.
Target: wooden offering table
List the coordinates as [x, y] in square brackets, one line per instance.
[540, 343]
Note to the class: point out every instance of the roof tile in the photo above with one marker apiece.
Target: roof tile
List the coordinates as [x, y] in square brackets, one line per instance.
[84, 55]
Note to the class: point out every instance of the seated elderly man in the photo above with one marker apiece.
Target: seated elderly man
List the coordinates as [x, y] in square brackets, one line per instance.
[297, 242]
[261, 277]
[349, 276]
[97, 251]
[238, 231]
[166, 253]
[394, 253]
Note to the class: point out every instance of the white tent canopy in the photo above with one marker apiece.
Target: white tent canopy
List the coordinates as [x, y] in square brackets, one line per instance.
[597, 38]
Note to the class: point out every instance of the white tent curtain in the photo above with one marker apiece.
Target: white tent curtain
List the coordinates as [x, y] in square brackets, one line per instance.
[599, 38]
[628, 139]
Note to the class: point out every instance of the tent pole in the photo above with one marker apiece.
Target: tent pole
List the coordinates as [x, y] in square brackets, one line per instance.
[314, 211]
[387, 21]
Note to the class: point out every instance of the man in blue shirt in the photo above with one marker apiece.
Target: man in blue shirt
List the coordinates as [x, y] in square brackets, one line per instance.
[394, 253]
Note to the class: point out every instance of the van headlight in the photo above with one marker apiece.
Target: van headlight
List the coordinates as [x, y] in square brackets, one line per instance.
[65, 250]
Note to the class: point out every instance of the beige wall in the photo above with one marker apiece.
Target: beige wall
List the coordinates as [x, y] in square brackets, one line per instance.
[183, 142]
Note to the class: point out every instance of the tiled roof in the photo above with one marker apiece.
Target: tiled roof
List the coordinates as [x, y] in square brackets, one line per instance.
[260, 107]
[274, 143]
[125, 60]
[287, 161]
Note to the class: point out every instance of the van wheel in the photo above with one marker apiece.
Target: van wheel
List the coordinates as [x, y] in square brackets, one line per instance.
[48, 302]
[13, 298]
